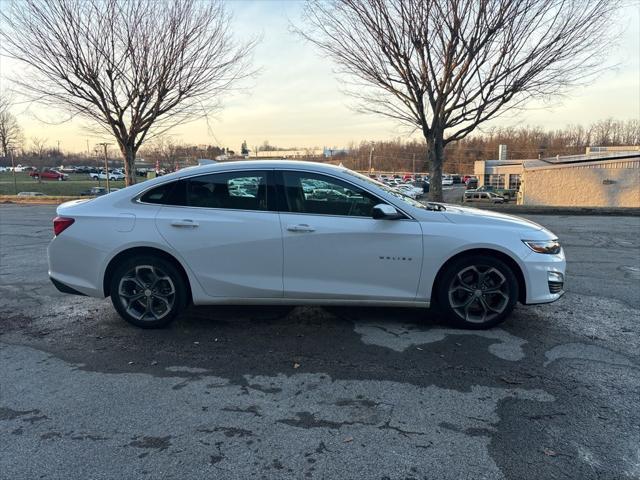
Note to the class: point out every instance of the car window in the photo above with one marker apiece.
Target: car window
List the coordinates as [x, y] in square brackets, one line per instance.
[398, 194]
[172, 193]
[322, 195]
[245, 190]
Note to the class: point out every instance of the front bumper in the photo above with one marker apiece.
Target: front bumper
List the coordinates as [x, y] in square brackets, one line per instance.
[545, 277]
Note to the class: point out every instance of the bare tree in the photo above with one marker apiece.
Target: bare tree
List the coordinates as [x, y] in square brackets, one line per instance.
[39, 147]
[10, 131]
[444, 67]
[133, 68]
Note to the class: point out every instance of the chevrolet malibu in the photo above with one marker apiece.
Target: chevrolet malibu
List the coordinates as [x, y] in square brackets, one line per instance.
[294, 233]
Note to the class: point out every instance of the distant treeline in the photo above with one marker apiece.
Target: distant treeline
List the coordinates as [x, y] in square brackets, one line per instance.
[522, 142]
[396, 155]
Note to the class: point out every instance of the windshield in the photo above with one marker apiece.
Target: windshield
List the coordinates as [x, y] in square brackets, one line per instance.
[396, 193]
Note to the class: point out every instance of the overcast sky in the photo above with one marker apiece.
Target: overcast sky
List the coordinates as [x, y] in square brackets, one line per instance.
[296, 99]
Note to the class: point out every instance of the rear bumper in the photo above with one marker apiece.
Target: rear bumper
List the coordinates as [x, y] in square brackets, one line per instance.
[64, 288]
[75, 266]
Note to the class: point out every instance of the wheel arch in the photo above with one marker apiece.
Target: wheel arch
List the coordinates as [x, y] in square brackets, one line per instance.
[507, 259]
[137, 251]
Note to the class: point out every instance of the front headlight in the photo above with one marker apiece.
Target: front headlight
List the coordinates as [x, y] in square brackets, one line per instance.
[551, 247]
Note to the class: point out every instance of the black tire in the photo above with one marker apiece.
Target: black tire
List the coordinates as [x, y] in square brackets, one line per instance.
[477, 292]
[154, 306]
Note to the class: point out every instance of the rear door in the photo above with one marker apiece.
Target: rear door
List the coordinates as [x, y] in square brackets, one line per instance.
[223, 225]
[333, 248]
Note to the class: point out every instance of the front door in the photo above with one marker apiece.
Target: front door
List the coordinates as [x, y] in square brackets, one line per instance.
[333, 248]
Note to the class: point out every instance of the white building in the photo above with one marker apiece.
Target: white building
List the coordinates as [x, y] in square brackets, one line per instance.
[602, 177]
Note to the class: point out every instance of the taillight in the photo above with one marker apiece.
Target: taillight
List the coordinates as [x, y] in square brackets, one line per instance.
[60, 224]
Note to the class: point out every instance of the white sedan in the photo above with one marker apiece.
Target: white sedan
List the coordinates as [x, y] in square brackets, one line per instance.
[113, 176]
[304, 233]
[410, 190]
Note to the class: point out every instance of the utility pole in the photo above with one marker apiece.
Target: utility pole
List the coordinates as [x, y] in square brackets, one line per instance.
[370, 158]
[106, 164]
[414, 165]
[13, 169]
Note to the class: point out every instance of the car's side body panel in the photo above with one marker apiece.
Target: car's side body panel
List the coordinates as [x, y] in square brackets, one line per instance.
[233, 253]
[354, 258]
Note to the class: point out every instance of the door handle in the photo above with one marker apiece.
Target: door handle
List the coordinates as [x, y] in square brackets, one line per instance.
[303, 227]
[186, 223]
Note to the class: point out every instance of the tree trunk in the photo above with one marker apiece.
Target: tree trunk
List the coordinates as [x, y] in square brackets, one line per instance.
[129, 156]
[435, 145]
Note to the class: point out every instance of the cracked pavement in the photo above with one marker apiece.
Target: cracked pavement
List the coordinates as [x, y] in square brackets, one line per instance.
[327, 393]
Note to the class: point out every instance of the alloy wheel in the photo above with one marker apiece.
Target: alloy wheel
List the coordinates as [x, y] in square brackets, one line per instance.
[479, 293]
[147, 293]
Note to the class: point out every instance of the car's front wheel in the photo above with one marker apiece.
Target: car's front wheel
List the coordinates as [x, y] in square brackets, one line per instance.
[148, 291]
[477, 292]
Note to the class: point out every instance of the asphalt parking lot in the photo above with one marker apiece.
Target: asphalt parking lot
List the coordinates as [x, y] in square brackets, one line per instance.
[338, 393]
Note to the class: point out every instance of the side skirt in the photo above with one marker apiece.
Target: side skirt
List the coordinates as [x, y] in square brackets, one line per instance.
[310, 302]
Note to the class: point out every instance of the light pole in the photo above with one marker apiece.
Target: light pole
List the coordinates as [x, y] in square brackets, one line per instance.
[13, 169]
[106, 164]
[370, 158]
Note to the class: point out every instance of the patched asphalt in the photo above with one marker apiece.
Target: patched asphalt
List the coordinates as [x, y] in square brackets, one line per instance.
[332, 393]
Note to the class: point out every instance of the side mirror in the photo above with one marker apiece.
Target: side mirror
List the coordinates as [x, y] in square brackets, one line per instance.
[382, 211]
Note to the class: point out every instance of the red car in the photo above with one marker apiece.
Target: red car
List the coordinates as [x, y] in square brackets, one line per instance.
[48, 175]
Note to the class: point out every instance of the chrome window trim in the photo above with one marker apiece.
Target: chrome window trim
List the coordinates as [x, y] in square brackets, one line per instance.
[409, 217]
[136, 199]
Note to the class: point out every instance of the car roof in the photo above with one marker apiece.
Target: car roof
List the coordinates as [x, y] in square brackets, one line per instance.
[262, 164]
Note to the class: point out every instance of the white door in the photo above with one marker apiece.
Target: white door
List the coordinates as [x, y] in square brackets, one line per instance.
[333, 248]
[226, 233]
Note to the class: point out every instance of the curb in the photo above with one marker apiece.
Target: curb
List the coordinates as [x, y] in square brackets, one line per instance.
[45, 200]
[549, 210]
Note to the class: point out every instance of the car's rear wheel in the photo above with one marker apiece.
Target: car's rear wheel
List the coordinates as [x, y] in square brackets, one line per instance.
[477, 292]
[148, 291]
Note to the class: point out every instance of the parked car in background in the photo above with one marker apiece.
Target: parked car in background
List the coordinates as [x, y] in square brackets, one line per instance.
[482, 197]
[471, 183]
[103, 176]
[447, 180]
[506, 193]
[48, 175]
[31, 194]
[94, 192]
[456, 179]
[410, 190]
[157, 246]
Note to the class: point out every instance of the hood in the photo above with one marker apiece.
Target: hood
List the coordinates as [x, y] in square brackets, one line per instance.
[475, 216]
